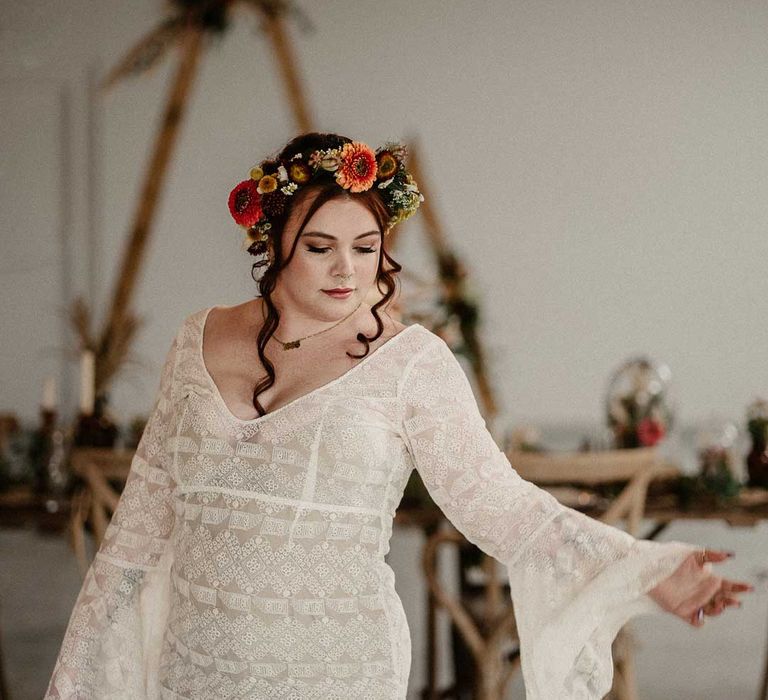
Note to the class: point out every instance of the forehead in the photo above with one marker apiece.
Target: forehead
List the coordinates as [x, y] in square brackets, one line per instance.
[345, 216]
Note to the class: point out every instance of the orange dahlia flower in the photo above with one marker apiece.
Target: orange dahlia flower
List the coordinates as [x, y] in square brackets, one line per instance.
[357, 171]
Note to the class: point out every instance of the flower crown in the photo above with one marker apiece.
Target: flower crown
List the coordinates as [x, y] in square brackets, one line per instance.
[354, 166]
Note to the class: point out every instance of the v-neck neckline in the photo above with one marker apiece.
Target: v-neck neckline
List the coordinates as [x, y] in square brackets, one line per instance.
[252, 421]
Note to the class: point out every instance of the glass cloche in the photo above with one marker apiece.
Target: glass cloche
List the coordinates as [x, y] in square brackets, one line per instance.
[638, 406]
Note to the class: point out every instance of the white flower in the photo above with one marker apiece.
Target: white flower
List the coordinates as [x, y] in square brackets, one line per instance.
[386, 183]
[290, 188]
[331, 161]
[282, 173]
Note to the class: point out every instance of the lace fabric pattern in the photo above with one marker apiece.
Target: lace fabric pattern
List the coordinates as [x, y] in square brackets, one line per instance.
[246, 558]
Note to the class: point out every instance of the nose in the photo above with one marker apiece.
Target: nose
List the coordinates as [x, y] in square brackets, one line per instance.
[343, 266]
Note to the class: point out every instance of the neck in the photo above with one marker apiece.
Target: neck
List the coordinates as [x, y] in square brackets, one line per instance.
[294, 323]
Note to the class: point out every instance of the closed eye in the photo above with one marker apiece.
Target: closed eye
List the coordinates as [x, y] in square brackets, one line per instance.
[360, 249]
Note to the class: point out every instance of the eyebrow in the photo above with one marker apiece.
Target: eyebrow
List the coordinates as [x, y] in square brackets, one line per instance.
[320, 234]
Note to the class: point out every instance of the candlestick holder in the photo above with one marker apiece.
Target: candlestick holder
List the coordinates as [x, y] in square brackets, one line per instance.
[97, 429]
[40, 448]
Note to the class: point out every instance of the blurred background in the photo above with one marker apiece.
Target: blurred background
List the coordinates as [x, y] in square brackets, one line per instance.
[594, 249]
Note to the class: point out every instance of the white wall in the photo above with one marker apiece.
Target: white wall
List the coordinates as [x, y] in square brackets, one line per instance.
[601, 166]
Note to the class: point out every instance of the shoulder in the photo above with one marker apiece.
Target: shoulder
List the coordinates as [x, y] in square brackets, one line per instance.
[217, 318]
[428, 340]
[427, 352]
[189, 333]
[433, 374]
[221, 314]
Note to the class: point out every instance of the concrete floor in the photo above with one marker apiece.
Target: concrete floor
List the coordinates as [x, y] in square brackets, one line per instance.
[39, 582]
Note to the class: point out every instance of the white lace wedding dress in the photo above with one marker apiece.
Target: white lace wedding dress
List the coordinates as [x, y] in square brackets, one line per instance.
[246, 557]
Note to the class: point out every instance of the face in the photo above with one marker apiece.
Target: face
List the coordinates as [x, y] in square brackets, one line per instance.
[338, 248]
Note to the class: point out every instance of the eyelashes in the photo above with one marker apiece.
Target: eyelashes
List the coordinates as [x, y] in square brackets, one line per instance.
[365, 251]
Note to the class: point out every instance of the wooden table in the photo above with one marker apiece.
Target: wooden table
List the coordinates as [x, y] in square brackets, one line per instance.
[21, 506]
[748, 510]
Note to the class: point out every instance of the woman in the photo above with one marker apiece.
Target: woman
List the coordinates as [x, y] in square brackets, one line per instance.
[246, 556]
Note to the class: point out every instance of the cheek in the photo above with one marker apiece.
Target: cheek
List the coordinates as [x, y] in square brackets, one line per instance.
[310, 264]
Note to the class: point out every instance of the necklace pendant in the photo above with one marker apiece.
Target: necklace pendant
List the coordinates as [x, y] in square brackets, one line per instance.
[291, 344]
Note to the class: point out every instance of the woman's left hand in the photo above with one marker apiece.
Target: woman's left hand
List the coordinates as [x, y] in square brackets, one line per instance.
[693, 591]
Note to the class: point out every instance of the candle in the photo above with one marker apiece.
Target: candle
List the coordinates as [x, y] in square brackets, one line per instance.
[87, 382]
[48, 402]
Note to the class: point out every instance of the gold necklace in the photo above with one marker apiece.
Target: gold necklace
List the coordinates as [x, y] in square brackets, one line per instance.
[296, 343]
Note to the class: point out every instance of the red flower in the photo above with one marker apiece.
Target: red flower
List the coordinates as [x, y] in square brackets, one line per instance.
[245, 203]
[649, 432]
[357, 171]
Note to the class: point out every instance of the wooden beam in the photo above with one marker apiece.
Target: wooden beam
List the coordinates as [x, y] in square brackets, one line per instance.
[154, 178]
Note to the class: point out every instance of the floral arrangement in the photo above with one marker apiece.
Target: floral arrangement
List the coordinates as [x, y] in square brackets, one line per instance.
[717, 480]
[354, 167]
[716, 483]
[757, 459]
[637, 405]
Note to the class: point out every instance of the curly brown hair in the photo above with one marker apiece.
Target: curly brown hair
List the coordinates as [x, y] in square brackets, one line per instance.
[386, 280]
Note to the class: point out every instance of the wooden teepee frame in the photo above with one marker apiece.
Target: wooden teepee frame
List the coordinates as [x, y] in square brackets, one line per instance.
[187, 29]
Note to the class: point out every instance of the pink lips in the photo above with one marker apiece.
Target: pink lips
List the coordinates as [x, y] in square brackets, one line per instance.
[339, 293]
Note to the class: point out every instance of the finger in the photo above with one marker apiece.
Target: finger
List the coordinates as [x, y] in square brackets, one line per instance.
[716, 555]
[730, 601]
[715, 608]
[712, 603]
[695, 620]
[737, 586]
[692, 620]
[719, 603]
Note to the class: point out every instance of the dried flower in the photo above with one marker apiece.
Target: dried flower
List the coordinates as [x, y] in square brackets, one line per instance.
[387, 165]
[273, 204]
[299, 172]
[267, 184]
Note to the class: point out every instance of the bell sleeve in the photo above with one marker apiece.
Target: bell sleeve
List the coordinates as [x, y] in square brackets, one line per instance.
[112, 643]
[574, 580]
